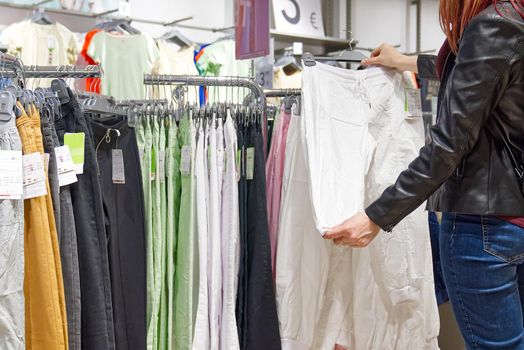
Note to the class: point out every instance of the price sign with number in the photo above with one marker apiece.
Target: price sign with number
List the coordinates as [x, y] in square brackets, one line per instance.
[299, 16]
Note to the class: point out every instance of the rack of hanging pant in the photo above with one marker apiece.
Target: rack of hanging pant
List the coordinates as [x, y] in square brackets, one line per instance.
[40, 220]
[216, 287]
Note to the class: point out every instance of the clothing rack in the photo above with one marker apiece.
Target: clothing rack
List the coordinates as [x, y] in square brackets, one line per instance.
[256, 89]
[92, 71]
[252, 85]
[13, 67]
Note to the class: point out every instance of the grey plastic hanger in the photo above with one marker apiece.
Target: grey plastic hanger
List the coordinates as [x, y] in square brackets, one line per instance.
[40, 16]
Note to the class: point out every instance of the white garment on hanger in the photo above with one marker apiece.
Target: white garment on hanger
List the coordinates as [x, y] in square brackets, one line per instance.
[201, 337]
[230, 241]
[353, 130]
[303, 256]
[215, 240]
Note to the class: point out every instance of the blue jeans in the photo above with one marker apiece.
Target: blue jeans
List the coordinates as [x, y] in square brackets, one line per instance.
[434, 233]
[482, 261]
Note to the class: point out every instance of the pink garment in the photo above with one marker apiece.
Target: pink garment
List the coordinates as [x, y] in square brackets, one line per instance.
[274, 174]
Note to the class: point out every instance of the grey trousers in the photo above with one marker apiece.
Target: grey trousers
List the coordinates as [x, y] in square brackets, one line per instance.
[65, 223]
[12, 321]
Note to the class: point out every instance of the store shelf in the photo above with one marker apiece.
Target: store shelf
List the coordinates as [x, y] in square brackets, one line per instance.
[314, 44]
[55, 11]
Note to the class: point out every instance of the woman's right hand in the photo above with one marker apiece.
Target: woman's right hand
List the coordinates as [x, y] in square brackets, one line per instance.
[387, 56]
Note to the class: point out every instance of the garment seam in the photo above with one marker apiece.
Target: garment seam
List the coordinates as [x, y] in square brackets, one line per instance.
[491, 90]
[489, 250]
[455, 280]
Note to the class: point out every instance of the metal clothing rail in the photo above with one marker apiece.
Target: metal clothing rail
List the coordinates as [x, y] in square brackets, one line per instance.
[256, 89]
[62, 71]
[17, 70]
[252, 85]
[282, 92]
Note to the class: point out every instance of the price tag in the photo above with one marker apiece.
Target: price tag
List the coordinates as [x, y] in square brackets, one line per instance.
[124, 9]
[299, 16]
[185, 161]
[238, 164]
[33, 168]
[46, 163]
[153, 165]
[413, 103]
[298, 48]
[65, 165]
[51, 42]
[141, 155]
[162, 165]
[119, 176]
[76, 144]
[11, 175]
[34, 176]
[250, 163]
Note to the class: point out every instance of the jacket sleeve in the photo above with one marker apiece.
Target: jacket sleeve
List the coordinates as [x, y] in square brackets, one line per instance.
[475, 86]
[426, 65]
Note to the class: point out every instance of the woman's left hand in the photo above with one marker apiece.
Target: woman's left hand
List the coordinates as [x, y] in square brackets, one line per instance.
[357, 231]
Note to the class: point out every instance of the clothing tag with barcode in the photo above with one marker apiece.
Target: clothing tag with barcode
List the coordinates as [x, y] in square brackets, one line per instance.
[250, 163]
[413, 103]
[185, 161]
[51, 42]
[11, 175]
[119, 176]
[65, 165]
[34, 175]
[162, 165]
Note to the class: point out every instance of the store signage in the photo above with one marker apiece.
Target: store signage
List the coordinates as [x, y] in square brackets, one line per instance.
[252, 28]
[299, 17]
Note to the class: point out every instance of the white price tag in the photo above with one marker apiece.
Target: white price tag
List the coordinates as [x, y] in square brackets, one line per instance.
[11, 175]
[34, 176]
[298, 48]
[299, 16]
[250, 163]
[34, 169]
[413, 103]
[162, 165]
[46, 163]
[65, 165]
[119, 174]
[51, 42]
[185, 161]
[124, 9]
[141, 155]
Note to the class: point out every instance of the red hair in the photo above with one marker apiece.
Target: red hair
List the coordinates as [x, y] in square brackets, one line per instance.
[456, 14]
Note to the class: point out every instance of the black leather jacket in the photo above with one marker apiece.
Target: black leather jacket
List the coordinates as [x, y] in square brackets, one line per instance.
[466, 169]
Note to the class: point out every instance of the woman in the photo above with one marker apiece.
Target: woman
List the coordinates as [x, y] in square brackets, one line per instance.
[472, 170]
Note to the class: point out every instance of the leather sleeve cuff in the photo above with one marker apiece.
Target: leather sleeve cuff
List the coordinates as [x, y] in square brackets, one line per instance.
[426, 65]
[379, 216]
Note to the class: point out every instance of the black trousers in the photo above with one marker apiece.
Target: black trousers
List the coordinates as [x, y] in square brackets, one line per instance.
[64, 217]
[256, 304]
[125, 225]
[95, 285]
